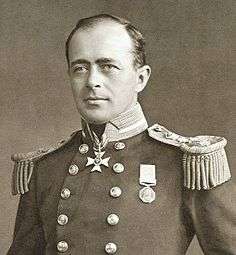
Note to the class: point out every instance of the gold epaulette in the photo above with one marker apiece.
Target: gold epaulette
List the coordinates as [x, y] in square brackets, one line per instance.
[205, 163]
[24, 165]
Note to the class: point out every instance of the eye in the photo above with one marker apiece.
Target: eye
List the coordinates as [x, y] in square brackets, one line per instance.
[109, 67]
[80, 69]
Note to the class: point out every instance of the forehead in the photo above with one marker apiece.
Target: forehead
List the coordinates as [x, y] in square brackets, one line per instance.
[106, 39]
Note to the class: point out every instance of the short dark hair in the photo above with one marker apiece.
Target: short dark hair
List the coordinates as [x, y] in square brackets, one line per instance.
[135, 35]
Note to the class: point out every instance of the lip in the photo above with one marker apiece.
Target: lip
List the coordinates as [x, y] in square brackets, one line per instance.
[97, 98]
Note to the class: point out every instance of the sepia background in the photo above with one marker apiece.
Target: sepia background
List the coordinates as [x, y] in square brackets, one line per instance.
[190, 46]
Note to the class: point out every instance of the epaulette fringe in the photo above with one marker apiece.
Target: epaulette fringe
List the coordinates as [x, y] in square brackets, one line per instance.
[205, 162]
[205, 167]
[21, 176]
[24, 166]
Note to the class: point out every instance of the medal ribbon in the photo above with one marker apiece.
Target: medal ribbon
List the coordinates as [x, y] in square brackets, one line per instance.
[98, 144]
[147, 175]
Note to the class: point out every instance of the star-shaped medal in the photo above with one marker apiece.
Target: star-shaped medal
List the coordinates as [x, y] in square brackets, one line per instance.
[97, 161]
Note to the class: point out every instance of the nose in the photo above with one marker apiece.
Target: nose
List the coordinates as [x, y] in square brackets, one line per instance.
[94, 78]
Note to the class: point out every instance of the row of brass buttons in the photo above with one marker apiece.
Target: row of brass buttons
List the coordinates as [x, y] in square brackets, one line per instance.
[115, 192]
[62, 246]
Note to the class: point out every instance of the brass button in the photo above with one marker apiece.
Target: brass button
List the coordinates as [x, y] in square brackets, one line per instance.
[73, 169]
[65, 193]
[111, 248]
[119, 146]
[62, 219]
[83, 148]
[118, 168]
[113, 219]
[115, 192]
[62, 246]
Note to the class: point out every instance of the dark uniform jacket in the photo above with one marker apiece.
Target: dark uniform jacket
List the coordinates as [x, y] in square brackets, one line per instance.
[65, 210]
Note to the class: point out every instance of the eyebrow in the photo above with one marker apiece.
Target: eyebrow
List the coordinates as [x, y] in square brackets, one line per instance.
[79, 61]
[98, 61]
[106, 60]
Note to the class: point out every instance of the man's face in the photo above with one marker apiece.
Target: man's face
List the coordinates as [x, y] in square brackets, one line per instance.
[103, 78]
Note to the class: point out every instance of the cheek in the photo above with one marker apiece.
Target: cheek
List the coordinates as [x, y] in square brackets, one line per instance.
[78, 92]
[77, 86]
[122, 82]
[124, 86]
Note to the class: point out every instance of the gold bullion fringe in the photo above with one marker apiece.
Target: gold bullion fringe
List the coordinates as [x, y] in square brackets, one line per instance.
[21, 176]
[205, 171]
[24, 166]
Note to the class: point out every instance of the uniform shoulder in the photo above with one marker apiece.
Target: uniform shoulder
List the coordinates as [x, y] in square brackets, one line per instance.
[24, 164]
[205, 164]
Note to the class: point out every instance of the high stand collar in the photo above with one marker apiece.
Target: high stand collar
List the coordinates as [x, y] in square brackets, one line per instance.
[128, 124]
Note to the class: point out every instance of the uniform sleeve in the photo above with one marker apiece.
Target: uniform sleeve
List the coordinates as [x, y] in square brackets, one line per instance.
[28, 234]
[214, 218]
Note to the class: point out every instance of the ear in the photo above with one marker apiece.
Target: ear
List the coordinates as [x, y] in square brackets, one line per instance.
[143, 74]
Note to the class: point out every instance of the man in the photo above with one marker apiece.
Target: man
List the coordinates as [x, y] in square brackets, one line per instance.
[111, 188]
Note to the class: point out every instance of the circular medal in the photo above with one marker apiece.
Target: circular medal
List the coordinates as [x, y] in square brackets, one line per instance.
[147, 195]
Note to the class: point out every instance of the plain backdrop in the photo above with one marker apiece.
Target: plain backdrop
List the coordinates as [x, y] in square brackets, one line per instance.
[190, 46]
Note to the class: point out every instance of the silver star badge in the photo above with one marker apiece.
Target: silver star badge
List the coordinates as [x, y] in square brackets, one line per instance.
[97, 161]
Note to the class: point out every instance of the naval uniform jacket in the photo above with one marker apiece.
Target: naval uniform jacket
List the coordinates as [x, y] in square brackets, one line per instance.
[165, 226]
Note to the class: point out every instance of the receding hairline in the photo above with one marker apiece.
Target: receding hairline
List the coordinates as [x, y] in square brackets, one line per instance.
[136, 37]
[99, 21]
[94, 25]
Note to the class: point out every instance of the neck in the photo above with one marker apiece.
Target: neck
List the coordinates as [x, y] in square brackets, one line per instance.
[125, 125]
[98, 129]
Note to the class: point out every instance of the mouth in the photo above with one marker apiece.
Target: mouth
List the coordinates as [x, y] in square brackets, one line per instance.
[95, 99]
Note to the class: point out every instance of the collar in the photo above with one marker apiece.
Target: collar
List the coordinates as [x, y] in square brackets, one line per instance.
[128, 124]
